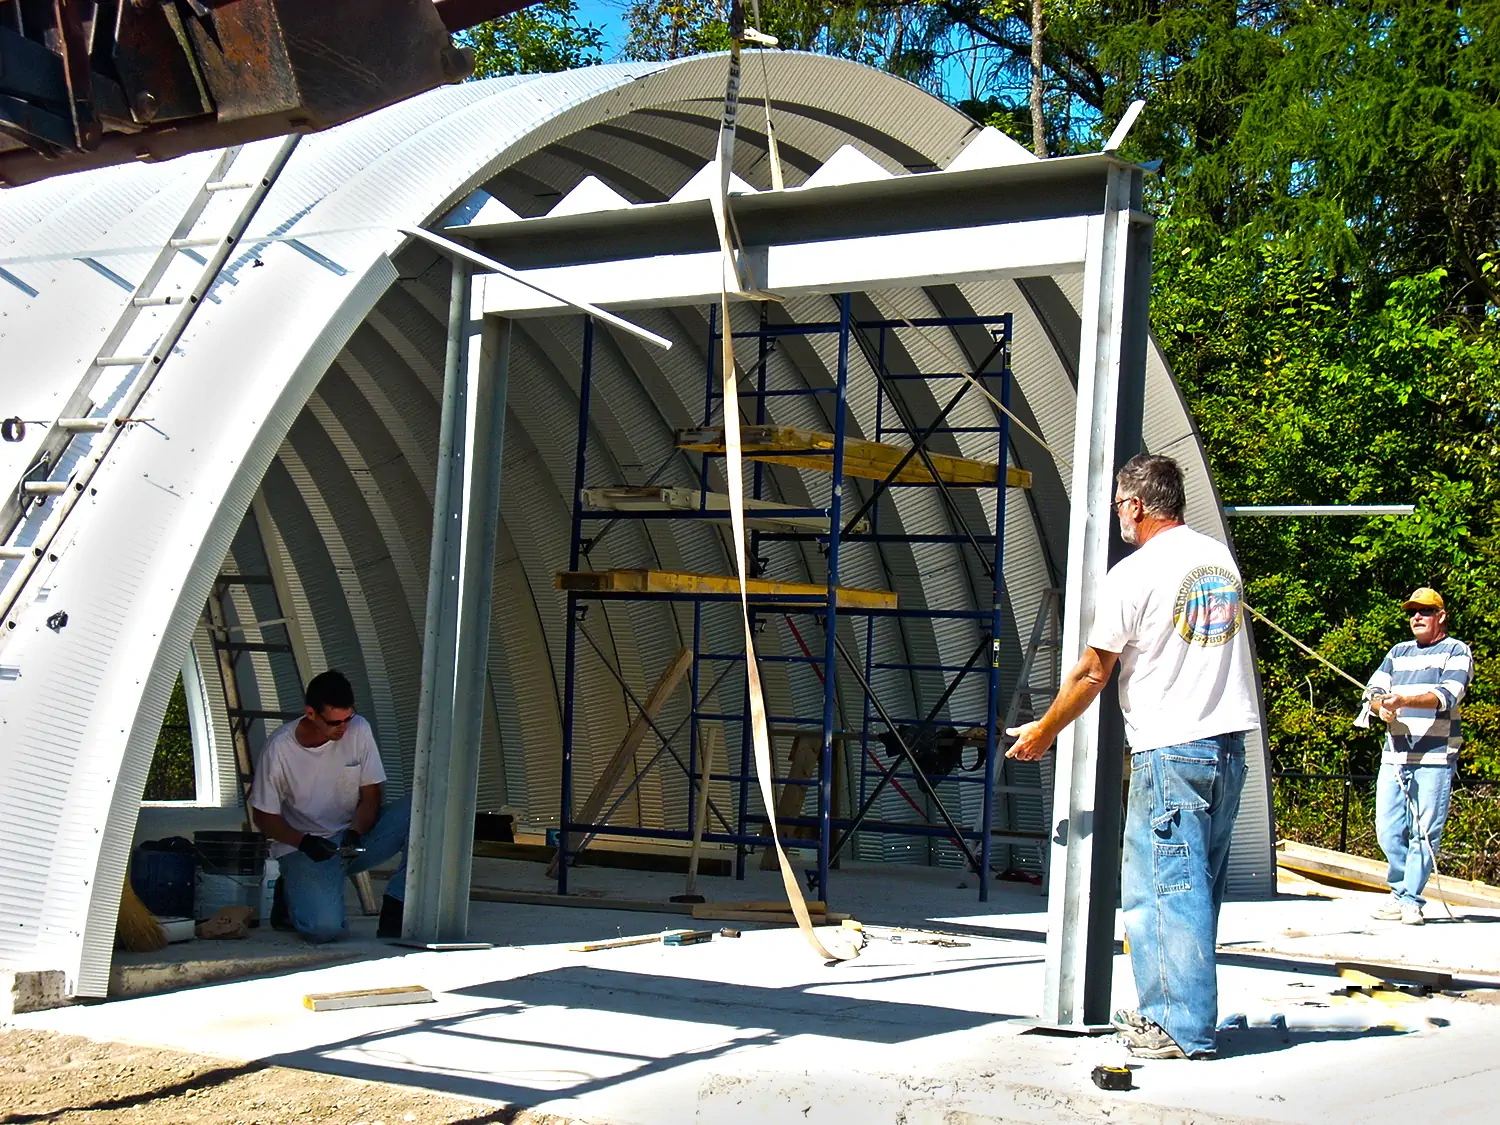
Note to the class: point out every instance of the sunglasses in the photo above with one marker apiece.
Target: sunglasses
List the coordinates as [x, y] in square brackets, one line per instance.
[1123, 500]
[334, 722]
[1424, 613]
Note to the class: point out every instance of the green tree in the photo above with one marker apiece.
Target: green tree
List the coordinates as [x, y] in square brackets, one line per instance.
[541, 39]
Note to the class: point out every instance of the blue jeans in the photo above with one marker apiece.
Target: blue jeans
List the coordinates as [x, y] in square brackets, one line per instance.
[1410, 859]
[315, 891]
[1183, 801]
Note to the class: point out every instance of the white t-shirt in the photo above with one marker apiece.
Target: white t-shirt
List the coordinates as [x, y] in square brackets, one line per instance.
[1172, 611]
[315, 789]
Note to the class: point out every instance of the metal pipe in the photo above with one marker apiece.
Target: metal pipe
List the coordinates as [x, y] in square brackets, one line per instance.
[1320, 510]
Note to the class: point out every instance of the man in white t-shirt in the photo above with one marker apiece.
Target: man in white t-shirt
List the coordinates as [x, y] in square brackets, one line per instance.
[316, 795]
[1169, 615]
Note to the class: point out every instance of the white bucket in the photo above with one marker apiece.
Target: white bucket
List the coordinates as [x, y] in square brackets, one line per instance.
[214, 892]
[268, 880]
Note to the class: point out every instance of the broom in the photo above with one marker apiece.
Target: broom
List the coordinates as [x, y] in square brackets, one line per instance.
[137, 929]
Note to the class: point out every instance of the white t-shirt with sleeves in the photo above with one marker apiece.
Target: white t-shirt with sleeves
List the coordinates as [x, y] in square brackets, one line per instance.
[1172, 610]
[315, 788]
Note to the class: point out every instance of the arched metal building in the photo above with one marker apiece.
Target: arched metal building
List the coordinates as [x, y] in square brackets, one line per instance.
[292, 436]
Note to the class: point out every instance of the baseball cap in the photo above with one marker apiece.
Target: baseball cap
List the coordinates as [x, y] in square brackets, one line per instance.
[1423, 597]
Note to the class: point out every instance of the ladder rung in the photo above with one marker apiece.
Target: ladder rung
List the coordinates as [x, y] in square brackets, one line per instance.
[251, 646]
[83, 425]
[121, 360]
[189, 243]
[255, 625]
[154, 302]
[44, 487]
[13, 552]
[228, 185]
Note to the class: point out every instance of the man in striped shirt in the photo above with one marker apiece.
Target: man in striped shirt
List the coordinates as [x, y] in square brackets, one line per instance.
[1417, 691]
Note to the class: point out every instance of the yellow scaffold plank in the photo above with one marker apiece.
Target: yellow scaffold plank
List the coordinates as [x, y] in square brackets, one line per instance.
[679, 582]
[871, 460]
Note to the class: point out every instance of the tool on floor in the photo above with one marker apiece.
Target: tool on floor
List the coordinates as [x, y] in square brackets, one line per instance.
[687, 937]
[1112, 1077]
[367, 998]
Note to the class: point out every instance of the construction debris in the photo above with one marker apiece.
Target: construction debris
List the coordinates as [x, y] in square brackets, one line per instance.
[367, 998]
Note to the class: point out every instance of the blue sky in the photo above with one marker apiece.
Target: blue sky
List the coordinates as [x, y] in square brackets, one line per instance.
[610, 15]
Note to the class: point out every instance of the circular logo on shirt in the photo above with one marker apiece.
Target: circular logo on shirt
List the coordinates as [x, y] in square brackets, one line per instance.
[1207, 611]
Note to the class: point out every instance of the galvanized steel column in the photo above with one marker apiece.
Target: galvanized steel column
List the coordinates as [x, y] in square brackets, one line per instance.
[1085, 864]
[455, 639]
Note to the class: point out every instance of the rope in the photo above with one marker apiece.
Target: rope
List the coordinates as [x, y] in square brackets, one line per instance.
[734, 471]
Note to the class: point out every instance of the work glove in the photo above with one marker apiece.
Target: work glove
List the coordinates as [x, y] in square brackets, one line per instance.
[317, 848]
[350, 838]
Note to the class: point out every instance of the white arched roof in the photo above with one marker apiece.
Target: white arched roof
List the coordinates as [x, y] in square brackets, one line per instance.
[312, 376]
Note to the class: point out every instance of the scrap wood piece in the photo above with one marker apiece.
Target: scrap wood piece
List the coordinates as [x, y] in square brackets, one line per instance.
[764, 514]
[683, 582]
[869, 460]
[367, 998]
[1342, 869]
[614, 771]
[585, 902]
[817, 906]
[1372, 975]
[711, 912]
[806, 748]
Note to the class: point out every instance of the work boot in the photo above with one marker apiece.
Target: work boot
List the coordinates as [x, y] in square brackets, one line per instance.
[392, 913]
[1144, 1038]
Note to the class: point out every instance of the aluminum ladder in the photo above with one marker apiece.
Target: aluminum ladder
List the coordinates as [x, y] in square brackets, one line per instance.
[48, 481]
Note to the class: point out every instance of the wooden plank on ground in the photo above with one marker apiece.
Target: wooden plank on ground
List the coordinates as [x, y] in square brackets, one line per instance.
[682, 582]
[806, 748]
[614, 771]
[1370, 874]
[713, 912]
[577, 902]
[869, 460]
[367, 998]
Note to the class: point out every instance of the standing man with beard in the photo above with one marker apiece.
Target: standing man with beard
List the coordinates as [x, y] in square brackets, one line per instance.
[1169, 616]
[316, 795]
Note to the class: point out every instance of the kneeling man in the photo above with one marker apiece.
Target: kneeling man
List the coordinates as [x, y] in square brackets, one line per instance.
[316, 795]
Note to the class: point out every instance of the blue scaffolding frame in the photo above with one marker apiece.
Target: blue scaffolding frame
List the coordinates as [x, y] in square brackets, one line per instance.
[830, 833]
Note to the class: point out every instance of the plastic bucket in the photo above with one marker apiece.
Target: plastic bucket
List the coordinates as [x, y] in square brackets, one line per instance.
[268, 880]
[218, 891]
[230, 865]
[230, 853]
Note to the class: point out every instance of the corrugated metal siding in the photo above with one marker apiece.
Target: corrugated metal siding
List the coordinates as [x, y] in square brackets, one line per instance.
[350, 495]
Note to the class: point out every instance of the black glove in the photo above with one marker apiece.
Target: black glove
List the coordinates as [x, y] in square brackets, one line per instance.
[317, 848]
[350, 838]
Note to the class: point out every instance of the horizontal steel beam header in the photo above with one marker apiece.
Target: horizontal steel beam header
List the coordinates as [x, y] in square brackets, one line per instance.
[1066, 187]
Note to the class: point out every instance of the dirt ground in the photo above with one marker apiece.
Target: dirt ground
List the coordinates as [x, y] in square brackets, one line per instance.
[68, 1080]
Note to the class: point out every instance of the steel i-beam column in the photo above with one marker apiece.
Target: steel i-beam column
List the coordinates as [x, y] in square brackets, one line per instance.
[1085, 863]
[456, 637]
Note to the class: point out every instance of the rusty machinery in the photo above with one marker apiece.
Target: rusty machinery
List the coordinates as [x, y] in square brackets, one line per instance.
[85, 83]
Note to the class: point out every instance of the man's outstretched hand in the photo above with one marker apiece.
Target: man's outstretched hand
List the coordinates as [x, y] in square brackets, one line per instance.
[1031, 742]
[317, 848]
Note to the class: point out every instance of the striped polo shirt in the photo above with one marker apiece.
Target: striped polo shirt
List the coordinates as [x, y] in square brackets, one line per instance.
[1425, 736]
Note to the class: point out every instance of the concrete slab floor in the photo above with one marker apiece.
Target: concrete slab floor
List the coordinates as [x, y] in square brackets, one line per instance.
[758, 1029]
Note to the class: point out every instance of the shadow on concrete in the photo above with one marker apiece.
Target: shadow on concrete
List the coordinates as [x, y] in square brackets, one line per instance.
[1239, 1042]
[492, 1053]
